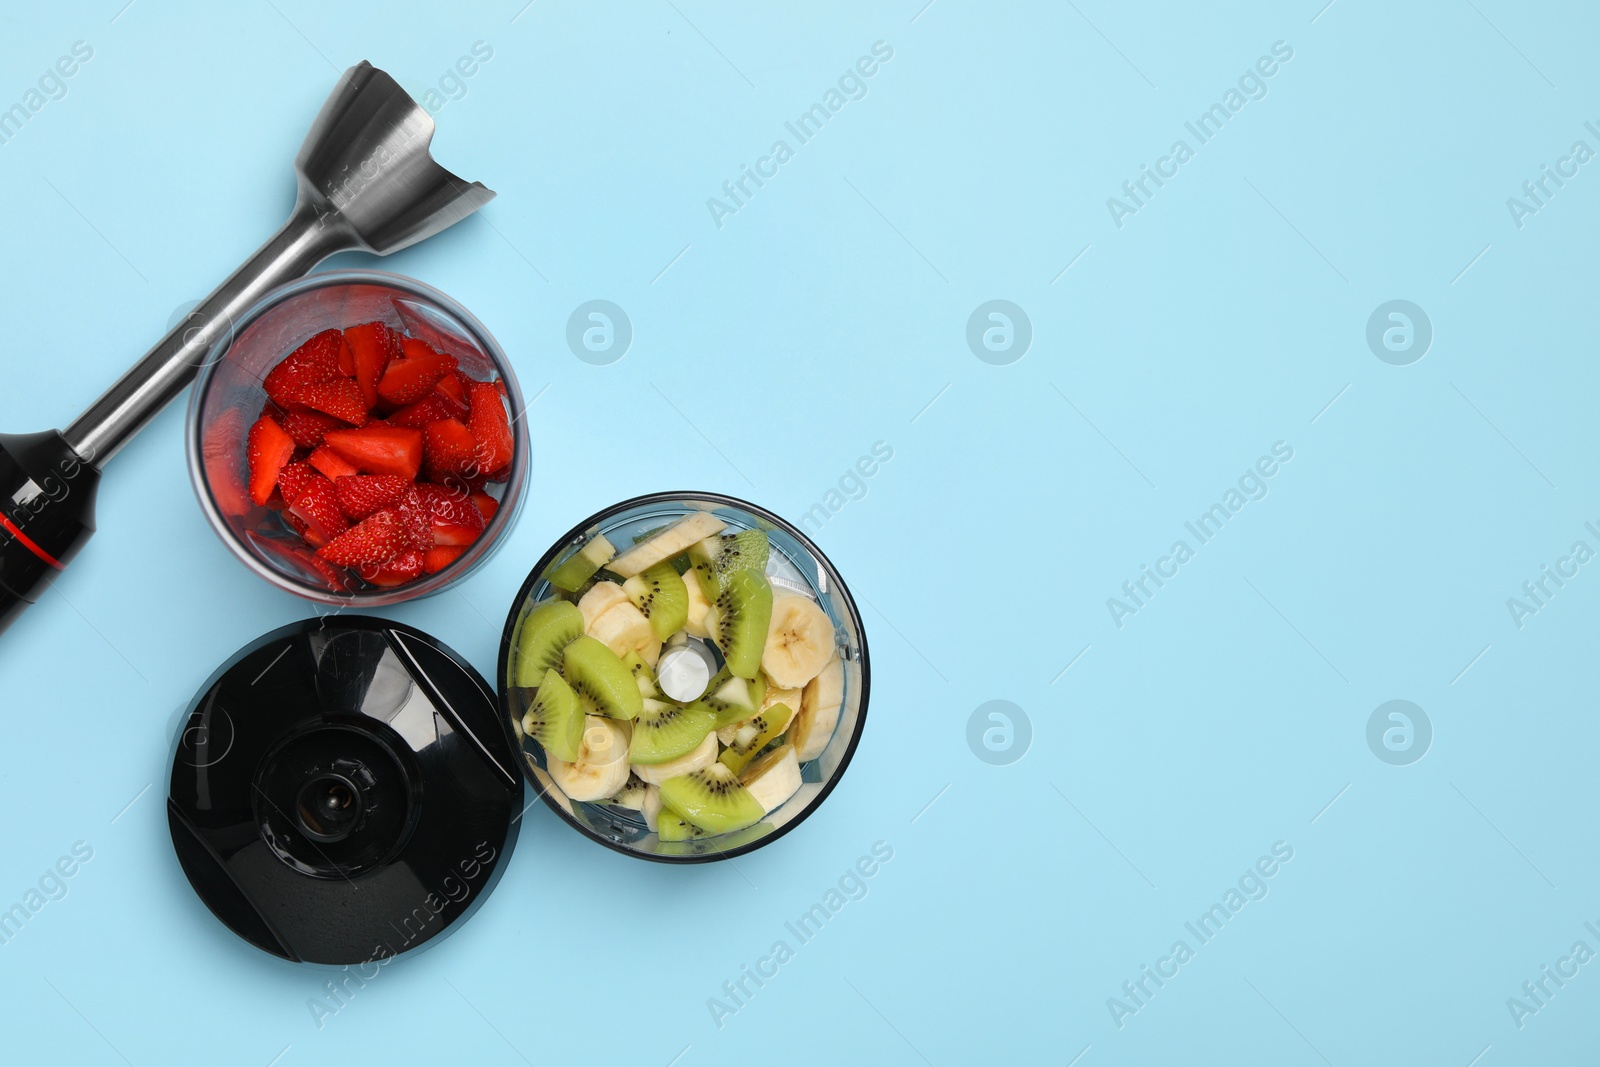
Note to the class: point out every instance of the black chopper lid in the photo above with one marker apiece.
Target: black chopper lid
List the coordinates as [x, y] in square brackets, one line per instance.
[342, 792]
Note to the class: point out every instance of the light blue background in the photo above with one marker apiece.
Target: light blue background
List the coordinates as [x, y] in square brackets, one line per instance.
[823, 317]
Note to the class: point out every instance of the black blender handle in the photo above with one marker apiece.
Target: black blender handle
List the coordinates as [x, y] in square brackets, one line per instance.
[47, 496]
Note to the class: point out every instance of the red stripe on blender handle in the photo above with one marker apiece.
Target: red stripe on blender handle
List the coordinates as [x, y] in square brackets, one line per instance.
[28, 543]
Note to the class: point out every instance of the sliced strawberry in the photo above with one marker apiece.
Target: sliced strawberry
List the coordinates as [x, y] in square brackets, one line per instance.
[313, 362]
[437, 405]
[410, 379]
[293, 479]
[330, 463]
[437, 559]
[339, 397]
[403, 568]
[472, 481]
[372, 542]
[416, 523]
[219, 446]
[457, 535]
[454, 385]
[300, 560]
[306, 427]
[455, 518]
[338, 579]
[362, 495]
[489, 424]
[449, 447]
[268, 452]
[487, 505]
[380, 449]
[373, 346]
[318, 507]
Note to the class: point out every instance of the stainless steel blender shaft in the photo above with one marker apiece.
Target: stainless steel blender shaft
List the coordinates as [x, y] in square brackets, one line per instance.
[367, 181]
[140, 394]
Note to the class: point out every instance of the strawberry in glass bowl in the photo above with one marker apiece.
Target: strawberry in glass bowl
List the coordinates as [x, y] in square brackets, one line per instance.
[358, 437]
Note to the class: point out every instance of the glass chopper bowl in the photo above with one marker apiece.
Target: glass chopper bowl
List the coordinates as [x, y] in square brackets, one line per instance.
[795, 565]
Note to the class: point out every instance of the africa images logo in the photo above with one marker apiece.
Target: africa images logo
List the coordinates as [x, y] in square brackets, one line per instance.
[52, 85]
[852, 885]
[1251, 486]
[738, 191]
[1252, 85]
[1252, 886]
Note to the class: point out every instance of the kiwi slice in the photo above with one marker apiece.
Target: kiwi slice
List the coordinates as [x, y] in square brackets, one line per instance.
[660, 594]
[579, 567]
[755, 735]
[604, 686]
[555, 719]
[717, 557]
[729, 699]
[712, 799]
[546, 631]
[643, 676]
[664, 731]
[631, 795]
[741, 613]
[670, 827]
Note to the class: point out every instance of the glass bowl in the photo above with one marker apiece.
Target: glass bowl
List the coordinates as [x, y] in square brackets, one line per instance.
[228, 397]
[796, 565]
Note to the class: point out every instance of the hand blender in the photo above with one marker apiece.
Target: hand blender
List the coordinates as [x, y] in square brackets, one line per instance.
[366, 181]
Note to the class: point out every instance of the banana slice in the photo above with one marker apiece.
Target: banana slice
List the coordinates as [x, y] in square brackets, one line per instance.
[799, 642]
[791, 697]
[651, 653]
[703, 755]
[819, 712]
[709, 622]
[652, 806]
[547, 784]
[623, 628]
[696, 526]
[698, 606]
[773, 778]
[776, 695]
[602, 765]
[601, 597]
